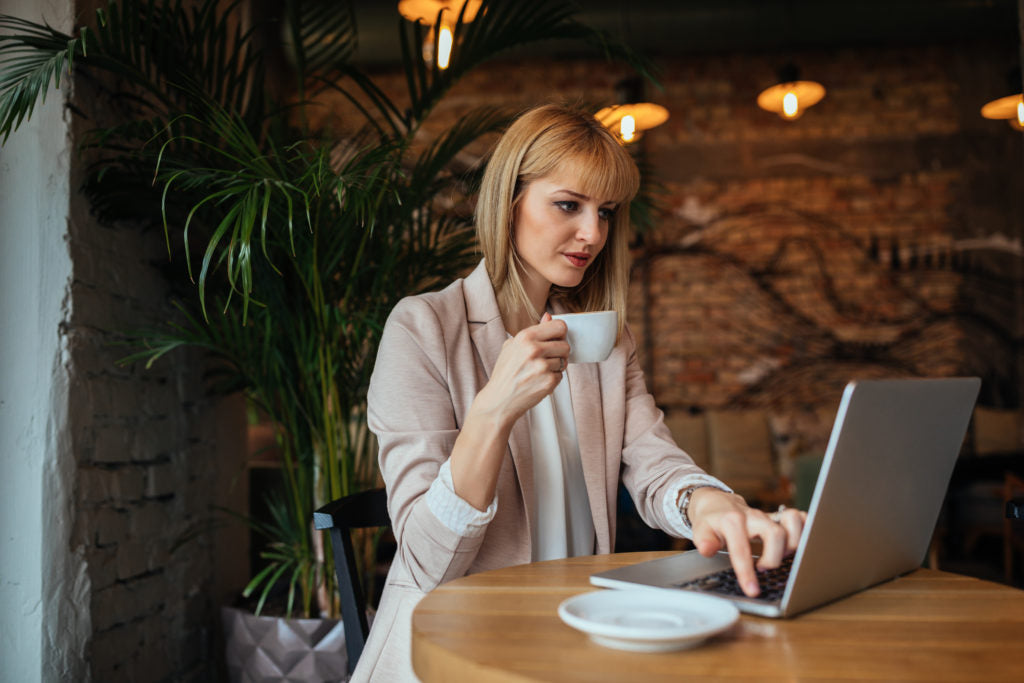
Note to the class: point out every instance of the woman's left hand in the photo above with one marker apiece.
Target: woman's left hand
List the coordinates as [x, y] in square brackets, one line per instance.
[722, 520]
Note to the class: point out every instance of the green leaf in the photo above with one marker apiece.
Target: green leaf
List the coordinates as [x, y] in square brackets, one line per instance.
[30, 60]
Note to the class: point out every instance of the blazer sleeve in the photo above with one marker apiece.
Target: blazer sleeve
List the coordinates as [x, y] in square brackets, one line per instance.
[410, 410]
[654, 469]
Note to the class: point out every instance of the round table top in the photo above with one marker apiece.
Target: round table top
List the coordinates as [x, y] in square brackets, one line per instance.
[503, 625]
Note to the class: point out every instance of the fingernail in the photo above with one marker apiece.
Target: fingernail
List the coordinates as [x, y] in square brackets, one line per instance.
[752, 588]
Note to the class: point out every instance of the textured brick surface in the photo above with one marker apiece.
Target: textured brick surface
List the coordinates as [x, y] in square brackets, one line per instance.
[791, 257]
[142, 482]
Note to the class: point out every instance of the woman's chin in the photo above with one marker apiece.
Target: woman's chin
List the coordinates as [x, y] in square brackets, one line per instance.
[569, 281]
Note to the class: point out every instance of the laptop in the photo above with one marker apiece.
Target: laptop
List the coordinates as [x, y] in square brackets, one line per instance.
[874, 508]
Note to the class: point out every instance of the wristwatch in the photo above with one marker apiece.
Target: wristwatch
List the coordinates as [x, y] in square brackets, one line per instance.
[684, 504]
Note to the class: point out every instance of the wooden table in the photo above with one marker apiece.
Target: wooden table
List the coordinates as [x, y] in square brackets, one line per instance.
[502, 625]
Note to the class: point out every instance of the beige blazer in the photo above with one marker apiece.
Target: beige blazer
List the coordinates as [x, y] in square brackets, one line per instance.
[436, 353]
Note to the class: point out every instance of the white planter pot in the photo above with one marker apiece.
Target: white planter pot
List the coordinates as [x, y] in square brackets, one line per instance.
[268, 649]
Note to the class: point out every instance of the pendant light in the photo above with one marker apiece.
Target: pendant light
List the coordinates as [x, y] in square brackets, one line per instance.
[628, 121]
[632, 116]
[791, 97]
[428, 13]
[1011, 107]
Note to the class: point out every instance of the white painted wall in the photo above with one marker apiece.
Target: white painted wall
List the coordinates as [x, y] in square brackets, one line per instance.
[44, 599]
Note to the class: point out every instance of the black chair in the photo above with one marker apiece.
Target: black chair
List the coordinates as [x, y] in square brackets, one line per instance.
[360, 510]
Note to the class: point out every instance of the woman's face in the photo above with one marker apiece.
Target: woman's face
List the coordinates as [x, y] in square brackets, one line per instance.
[558, 231]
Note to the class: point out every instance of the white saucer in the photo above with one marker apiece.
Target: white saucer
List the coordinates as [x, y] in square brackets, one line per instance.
[645, 620]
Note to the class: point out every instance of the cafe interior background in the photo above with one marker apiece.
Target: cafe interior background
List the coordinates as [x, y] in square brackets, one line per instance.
[876, 234]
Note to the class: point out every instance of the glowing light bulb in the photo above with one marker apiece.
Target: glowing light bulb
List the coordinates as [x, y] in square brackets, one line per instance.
[444, 47]
[627, 128]
[790, 106]
[1020, 112]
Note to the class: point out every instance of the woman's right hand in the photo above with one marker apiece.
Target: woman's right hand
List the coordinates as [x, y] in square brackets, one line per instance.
[528, 368]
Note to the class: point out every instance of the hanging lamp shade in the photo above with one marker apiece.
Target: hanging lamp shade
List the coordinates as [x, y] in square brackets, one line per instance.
[628, 121]
[427, 10]
[791, 97]
[1010, 108]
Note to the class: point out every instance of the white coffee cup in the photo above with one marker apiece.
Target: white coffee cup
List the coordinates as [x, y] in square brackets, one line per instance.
[591, 336]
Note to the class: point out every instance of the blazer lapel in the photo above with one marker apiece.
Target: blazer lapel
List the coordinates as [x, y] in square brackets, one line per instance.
[488, 333]
[585, 389]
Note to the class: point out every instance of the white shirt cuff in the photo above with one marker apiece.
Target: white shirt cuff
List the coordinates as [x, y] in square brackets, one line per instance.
[454, 512]
[670, 503]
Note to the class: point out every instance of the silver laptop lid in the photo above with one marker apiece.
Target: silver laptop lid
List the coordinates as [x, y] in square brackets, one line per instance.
[884, 476]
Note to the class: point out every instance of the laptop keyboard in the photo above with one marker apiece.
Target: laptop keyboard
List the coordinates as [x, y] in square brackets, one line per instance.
[772, 581]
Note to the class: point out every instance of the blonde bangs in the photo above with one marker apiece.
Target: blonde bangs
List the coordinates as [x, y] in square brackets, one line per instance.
[607, 171]
[604, 169]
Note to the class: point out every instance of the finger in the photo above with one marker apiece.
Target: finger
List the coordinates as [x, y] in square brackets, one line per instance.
[532, 346]
[793, 522]
[706, 540]
[733, 528]
[556, 349]
[551, 329]
[773, 537]
[546, 317]
[545, 330]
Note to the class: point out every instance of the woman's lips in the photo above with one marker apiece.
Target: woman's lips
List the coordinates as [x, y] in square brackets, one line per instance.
[577, 259]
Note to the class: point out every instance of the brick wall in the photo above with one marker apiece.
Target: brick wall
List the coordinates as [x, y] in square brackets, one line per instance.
[791, 257]
[794, 256]
[151, 456]
[148, 468]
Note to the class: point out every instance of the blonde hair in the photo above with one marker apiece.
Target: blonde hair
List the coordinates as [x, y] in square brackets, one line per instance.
[537, 144]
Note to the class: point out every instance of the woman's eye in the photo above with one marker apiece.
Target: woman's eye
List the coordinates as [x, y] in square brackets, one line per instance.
[606, 214]
[567, 206]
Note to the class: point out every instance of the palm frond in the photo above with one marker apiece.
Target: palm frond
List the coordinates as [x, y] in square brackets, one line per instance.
[325, 37]
[174, 57]
[177, 52]
[501, 25]
[31, 58]
[257, 188]
[431, 165]
[379, 111]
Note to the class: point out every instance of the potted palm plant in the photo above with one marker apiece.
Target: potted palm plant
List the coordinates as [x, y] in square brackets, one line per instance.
[298, 243]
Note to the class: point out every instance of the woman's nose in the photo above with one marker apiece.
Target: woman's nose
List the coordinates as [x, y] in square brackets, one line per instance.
[589, 228]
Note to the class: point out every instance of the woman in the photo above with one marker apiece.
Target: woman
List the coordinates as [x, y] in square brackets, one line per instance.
[494, 451]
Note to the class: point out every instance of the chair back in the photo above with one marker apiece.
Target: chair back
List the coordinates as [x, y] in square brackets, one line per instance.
[996, 431]
[690, 433]
[360, 510]
[740, 449]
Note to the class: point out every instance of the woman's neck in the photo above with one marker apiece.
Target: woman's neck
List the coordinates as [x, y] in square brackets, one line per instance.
[518, 320]
[515, 315]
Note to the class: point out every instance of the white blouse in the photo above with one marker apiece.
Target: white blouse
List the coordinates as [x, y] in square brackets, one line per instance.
[561, 524]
